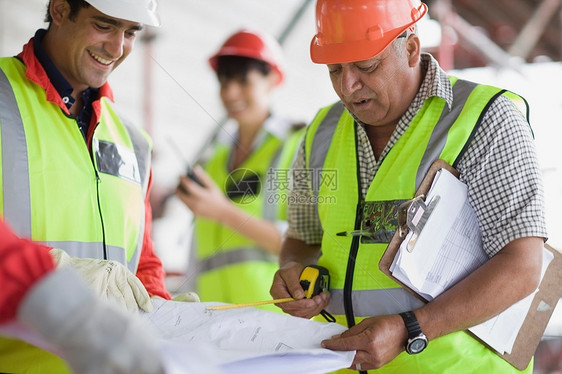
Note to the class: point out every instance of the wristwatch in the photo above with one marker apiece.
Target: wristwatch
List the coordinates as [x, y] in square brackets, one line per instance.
[417, 341]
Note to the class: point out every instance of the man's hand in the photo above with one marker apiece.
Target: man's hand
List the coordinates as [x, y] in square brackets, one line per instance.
[92, 335]
[108, 279]
[377, 340]
[286, 283]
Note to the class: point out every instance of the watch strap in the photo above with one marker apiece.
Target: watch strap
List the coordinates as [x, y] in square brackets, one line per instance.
[411, 323]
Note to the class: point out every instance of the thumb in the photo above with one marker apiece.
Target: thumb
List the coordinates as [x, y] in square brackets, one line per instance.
[60, 257]
[187, 297]
[139, 292]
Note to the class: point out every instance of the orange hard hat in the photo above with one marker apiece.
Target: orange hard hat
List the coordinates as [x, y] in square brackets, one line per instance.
[356, 30]
[253, 44]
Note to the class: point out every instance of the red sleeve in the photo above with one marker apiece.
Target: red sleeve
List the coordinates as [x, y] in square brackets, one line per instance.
[22, 264]
[150, 270]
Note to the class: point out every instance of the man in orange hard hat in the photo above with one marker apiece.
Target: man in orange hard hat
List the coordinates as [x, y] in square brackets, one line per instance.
[398, 112]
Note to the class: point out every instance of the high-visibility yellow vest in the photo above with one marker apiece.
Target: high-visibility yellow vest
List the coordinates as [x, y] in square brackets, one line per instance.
[358, 288]
[231, 267]
[54, 190]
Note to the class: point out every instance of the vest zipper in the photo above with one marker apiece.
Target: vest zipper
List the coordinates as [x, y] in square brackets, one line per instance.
[91, 153]
[353, 250]
[98, 179]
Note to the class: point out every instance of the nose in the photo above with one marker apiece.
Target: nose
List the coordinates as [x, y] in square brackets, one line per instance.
[115, 45]
[350, 80]
[230, 90]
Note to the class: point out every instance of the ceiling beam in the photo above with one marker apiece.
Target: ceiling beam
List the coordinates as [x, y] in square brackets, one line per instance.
[533, 29]
[474, 37]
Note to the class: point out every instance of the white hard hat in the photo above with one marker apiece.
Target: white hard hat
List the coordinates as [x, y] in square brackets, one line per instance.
[141, 11]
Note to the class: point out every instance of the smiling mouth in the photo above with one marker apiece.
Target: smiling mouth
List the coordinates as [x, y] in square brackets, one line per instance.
[100, 59]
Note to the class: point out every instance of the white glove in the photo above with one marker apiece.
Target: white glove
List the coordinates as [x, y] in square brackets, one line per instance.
[108, 279]
[189, 297]
[92, 335]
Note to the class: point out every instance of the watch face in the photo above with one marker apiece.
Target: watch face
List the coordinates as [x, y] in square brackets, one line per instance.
[417, 345]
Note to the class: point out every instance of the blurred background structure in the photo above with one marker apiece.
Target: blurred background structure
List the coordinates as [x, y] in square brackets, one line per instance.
[167, 87]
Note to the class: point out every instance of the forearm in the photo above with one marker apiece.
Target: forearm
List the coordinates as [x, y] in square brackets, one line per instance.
[261, 231]
[22, 264]
[505, 279]
[294, 250]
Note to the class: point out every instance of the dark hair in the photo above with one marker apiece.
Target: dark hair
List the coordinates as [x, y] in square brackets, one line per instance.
[238, 67]
[75, 6]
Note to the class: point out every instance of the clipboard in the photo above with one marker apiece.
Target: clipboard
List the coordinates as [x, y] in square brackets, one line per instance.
[542, 306]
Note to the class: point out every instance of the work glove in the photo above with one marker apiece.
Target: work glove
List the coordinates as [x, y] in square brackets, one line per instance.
[108, 279]
[91, 334]
[190, 297]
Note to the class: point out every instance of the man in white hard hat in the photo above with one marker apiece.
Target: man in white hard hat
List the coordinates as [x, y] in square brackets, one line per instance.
[74, 174]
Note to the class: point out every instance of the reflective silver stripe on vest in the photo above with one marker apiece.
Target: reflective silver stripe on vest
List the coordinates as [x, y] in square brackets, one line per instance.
[89, 250]
[461, 91]
[321, 144]
[235, 256]
[142, 153]
[367, 303]
[15, 169]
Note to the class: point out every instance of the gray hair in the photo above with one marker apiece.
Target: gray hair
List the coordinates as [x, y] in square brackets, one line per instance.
[399, 43]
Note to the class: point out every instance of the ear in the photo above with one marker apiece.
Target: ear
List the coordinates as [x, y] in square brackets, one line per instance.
[413, 49]
[59, 10]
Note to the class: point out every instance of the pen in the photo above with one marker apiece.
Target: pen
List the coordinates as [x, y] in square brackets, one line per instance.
[355, 233]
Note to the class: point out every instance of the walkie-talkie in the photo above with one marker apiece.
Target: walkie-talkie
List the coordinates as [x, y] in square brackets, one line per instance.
[191, 175]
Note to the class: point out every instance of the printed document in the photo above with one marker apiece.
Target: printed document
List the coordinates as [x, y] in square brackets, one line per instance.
[246, 340]
[233, 341]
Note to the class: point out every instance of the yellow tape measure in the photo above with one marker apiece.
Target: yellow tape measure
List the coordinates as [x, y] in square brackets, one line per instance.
[314, 279]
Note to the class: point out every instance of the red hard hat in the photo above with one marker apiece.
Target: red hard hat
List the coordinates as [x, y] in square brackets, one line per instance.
[356, 30]
[253, 44]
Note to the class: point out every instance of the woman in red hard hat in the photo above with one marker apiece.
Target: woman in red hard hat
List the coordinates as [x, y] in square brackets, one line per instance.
[239, 210]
